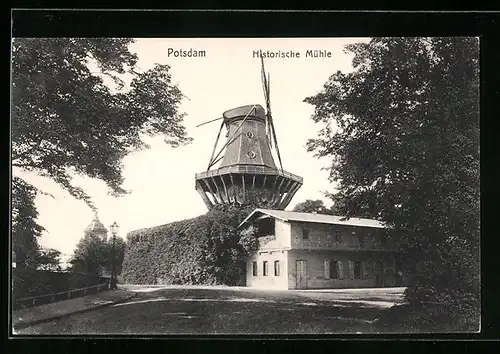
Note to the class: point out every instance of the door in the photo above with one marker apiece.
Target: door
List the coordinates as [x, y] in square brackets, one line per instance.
[301, 267]
[379, 266]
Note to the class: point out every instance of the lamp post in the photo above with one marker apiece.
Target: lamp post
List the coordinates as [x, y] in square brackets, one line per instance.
[114, 231]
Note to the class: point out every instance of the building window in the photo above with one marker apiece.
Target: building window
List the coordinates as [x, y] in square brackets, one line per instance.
[357, 270]
[265, 268]
[277, 268]
[361, 241]
[379, 266]
[327, 269]
[254, 269]
[266, 227]
[305, 234]
[334, 269]
[350, 269]
[338, 238]
[340, 267]
[398, 264]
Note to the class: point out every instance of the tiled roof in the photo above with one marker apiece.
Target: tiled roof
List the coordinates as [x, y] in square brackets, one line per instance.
[313, 218]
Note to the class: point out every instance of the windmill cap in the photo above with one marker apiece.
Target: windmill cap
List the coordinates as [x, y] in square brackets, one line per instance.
[240, 112]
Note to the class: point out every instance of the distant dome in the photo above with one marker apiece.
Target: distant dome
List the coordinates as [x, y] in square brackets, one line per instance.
[96, 226]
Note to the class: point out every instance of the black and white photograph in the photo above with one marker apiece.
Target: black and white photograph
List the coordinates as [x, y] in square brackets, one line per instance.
[245, 186]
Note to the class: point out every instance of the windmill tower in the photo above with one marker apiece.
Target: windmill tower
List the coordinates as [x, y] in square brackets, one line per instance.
[247, 171]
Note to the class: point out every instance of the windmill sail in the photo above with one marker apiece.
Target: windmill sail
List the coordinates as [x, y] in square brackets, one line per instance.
[270, 132]
[268, 106]
[265, 88]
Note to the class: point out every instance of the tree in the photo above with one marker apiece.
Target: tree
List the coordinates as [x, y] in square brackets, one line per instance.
[91, 255]
[312, 206]
[117, 255]
[49, 259]
[402, 131]
[25, 230]
[228, 246]
[65, 120]
[94, 254]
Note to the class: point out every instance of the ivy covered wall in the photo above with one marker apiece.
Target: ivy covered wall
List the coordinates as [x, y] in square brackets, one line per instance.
[208, 249]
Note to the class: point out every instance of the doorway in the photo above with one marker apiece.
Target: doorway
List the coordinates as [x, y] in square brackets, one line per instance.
[301, 267]
[379, 268]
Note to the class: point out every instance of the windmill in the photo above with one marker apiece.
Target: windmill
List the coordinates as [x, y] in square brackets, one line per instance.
[247, 166]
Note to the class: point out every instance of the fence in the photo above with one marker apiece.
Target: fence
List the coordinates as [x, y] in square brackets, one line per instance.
[63, 295]
[31, 282]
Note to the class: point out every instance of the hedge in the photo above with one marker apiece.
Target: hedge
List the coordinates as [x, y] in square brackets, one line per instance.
[202, 250]
[30, 282]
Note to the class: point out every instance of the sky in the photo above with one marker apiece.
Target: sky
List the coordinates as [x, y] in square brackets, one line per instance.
[161, 179]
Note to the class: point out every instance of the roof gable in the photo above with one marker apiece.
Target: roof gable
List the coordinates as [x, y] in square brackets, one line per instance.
[293, 216]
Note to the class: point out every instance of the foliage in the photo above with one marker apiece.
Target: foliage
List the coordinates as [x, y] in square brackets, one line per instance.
[28, 282]
[116, 254]
[227, 252]
[248, 240]
[170, 254]
[90, 255]
[91, 127]
[312, 206]
[49, 259]
[95, 255]
[66, 120]
[25, 229]
[402, 132]
[208, 249]
[428, 317]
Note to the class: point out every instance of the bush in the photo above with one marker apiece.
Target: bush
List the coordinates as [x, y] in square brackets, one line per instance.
[29, 282]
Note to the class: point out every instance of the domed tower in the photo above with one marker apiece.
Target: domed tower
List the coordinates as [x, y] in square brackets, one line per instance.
[96, 228]
[247, 170]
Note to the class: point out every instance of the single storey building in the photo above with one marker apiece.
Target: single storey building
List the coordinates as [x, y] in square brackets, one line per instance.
[310, 251]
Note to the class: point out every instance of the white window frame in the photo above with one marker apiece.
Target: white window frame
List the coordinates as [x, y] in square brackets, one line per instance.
[327, 269]
[341, 268]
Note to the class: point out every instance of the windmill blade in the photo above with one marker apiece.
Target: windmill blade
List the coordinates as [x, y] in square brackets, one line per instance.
[268, 132]
[215, 146]
[264, 80]
[268, 102]
[266, 89]
[268, 106]
[209, 121]
[232, 137]
[276, 144]
[272, 132]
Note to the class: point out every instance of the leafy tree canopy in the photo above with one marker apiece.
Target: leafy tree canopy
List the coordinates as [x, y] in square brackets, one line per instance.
[66, 120]
[94, 254]
[49, 259]
[402, 133]
[25, 230]
[312, 206]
